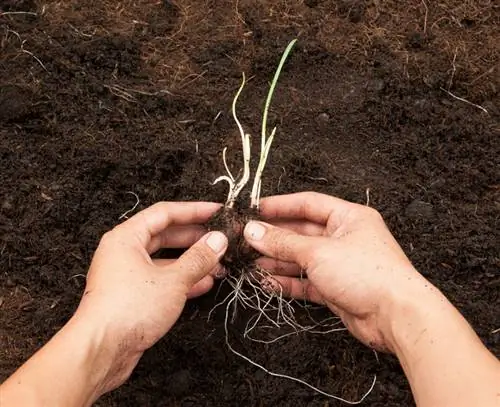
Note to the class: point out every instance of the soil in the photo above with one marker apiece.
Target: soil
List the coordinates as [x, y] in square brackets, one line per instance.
[100, 98]
[239, 256]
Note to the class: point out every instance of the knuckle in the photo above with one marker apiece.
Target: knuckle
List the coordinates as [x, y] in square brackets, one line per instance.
[309, 291]
[364, 212]
[199, 259]
[373, 214]
[311, 195]
[108, 237]
[279, 243]
[313, 256]
[163, 206]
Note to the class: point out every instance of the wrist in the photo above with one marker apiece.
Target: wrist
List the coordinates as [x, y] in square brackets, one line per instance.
[107, 357]
[440, 353]
[410, 308]
[82, 360]
[419, 322]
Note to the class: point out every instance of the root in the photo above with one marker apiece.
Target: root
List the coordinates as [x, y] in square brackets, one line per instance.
[249, 292]
[464, 100]
[248, 287]
[137, 201]
[231, 303]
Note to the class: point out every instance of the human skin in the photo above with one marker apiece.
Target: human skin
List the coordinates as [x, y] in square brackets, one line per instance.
[353, 265]
[130, 302]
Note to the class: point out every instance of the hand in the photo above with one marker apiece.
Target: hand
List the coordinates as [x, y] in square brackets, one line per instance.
[138, 299]
[351, 261]
[355, 267]
[129, 303]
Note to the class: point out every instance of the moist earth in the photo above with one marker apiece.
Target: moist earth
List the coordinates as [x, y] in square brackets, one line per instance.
[395, 103]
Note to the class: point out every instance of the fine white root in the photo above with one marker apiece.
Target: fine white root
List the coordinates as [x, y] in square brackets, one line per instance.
[273, 312]
[464, 100]
[232, 300]
[137, 201]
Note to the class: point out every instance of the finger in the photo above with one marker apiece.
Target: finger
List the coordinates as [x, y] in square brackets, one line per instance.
[315, 207]
[302, 227]
[201, 287]
[163, 262]
[281, 268]
[217, 272]
[300, 289]
[202, 257]
[176, 237]
[281, 244]
[146, 224]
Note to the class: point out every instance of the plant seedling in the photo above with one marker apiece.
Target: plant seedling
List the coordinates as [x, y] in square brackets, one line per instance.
[234, 215]
[252, 287]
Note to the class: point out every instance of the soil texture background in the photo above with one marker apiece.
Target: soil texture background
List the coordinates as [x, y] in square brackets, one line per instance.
[99, 98]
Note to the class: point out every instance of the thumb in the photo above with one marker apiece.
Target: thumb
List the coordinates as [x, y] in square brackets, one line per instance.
[280, 243]
[199, 260]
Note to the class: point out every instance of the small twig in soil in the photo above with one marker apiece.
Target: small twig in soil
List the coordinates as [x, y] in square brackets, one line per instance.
[34, 56]
[279, 179]
[127, 93]
[453, 69]
[426, 16]
[125, 214]
[14, 13]
[322, 179]
[82, 33]
[489, 71]
[77, 275]
[25, 51]
[464, 100]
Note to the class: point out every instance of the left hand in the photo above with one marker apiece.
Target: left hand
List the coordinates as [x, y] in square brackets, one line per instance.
[137, 299]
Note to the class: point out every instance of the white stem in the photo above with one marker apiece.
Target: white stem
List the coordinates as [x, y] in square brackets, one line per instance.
[257, 182]
[229, 174]
[235, 188]
[246, 170]
[231, 185]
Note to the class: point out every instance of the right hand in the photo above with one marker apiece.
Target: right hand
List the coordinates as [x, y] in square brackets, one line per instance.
[340, 254]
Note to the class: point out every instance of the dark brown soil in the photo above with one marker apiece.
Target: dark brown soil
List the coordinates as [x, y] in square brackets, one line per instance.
[99, 98]
[239, 256]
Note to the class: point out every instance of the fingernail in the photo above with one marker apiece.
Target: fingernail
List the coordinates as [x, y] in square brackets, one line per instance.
[216, 241]
[255, 231]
